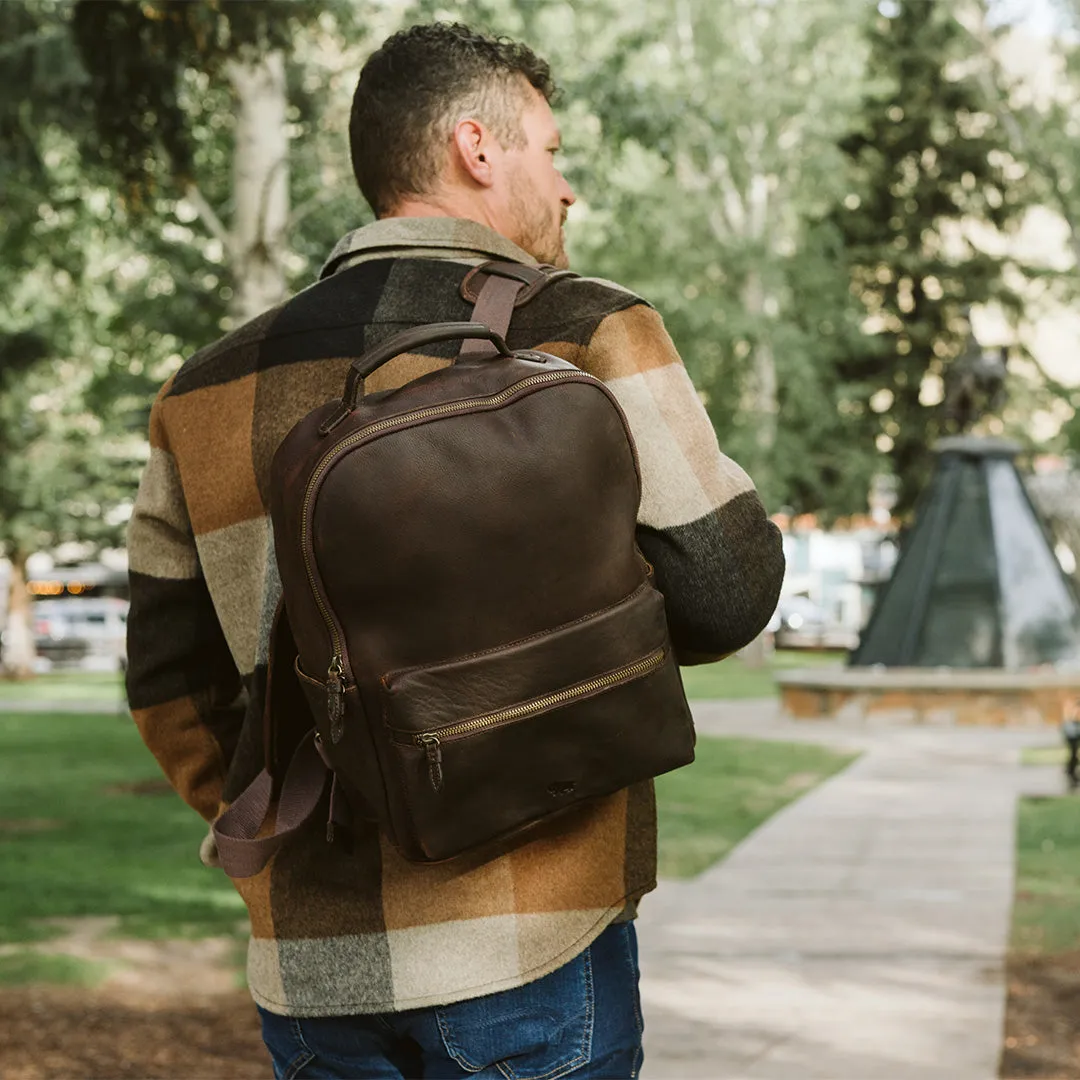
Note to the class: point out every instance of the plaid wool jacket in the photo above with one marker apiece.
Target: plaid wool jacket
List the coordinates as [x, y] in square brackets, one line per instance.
[336, 932]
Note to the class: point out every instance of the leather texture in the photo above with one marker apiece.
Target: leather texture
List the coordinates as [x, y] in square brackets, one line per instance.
[461, 546]
[434, 696]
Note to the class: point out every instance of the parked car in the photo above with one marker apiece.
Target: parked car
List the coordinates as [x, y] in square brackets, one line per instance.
[85, 633]
[800, 623]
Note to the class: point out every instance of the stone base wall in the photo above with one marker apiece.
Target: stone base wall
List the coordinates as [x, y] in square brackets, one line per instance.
[1028, 707]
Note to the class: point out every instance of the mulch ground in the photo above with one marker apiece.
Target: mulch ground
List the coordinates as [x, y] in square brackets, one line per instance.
[60, 1033]
[1042, 1022]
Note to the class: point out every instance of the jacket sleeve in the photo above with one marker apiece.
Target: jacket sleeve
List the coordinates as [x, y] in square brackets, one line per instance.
[718, 559]
[182, 684]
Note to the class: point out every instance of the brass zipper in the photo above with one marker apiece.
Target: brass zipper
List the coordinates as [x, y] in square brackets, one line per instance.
[431, 741]
[336, 669]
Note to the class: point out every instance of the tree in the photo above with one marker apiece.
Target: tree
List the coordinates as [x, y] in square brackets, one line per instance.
[701, 137]
[929, 166]
[168, 77]
[112, 166]
[69, 454]
[69, 457]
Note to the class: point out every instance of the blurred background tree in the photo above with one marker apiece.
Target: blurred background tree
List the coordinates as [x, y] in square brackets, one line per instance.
[723, 125]
[160, 155]
[813, 195]
[928, 167]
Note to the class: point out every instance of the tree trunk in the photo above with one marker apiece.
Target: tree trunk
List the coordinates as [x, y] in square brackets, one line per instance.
[260, 185]
[762, 382]
[757, 653]
[17, 661]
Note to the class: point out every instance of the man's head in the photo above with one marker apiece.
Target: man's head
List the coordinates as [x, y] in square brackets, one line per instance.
[447, 121]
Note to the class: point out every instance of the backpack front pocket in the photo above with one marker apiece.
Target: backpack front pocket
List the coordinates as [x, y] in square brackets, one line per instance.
[490, 742]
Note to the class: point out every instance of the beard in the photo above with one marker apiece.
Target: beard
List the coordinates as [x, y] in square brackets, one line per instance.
[540, 226]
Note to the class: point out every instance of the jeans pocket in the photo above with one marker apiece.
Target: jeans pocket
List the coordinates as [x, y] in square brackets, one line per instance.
[539, 1031]
[289, 1054]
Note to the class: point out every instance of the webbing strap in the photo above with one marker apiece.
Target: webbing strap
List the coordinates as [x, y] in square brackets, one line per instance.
[242, 850]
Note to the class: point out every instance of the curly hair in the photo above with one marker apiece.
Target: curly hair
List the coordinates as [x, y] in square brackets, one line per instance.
[413, 91]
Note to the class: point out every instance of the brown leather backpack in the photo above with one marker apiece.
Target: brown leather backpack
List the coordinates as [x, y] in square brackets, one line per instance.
[476, 632]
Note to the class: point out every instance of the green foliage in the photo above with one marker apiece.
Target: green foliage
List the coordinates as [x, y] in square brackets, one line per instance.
[1046, 913]
[136, 83]
[785, 182]
[928, 166]
[78, 838]
[71, 416]
[724, 123]
[105, 295]
[732, 787]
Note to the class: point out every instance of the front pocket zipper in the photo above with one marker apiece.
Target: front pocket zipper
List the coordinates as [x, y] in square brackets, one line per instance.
[335, 699]
[431, 741]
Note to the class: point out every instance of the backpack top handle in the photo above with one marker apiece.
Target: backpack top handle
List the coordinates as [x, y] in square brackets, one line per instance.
[406, 341]
[495, 288]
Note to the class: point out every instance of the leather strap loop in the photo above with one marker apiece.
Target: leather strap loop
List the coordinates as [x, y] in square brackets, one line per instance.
[496, 289]
[534, 278]
[494, 308]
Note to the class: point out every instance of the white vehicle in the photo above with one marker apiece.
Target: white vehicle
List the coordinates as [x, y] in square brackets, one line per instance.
[800, 623]
[84, 633]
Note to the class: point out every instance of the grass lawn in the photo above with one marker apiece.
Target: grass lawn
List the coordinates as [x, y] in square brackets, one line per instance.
[732, 787]
[1042, 1030]
[96, 687]
[731, 678]
[1046, 913]
[88, 827]
[26, 967]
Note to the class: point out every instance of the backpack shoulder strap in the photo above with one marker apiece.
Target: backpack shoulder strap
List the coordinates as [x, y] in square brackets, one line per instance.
[237, 833]
[286, 712]
[294, 775]
[496, 289]
[533, 278]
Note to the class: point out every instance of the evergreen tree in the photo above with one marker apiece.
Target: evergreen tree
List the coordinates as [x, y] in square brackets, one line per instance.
[928, 167]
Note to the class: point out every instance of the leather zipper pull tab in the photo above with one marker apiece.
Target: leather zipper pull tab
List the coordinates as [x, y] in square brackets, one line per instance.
[335, 699]
[433, 750]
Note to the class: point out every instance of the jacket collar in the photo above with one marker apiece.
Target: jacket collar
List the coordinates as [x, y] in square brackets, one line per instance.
[428, 237]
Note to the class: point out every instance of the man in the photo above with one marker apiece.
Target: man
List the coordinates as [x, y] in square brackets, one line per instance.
[523, 965]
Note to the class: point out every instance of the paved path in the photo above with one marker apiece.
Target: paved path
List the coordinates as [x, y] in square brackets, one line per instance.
[860, 933]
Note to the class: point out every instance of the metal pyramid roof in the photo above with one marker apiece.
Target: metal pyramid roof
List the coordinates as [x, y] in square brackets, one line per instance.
[977, 583]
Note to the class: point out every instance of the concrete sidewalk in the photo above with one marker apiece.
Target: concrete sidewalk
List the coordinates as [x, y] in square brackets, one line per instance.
[860, 933]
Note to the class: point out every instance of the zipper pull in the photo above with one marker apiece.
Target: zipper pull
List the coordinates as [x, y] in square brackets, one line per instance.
[335, 699]
[433, 749]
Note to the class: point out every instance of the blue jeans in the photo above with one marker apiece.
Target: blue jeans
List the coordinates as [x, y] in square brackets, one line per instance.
[583, 1020]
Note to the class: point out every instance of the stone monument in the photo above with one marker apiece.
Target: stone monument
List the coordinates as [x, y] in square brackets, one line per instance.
[978, 623]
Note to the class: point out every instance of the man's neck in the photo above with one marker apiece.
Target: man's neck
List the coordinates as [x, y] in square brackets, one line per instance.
[448, 206]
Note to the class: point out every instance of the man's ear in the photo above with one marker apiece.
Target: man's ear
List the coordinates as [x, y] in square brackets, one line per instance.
[473, 145]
